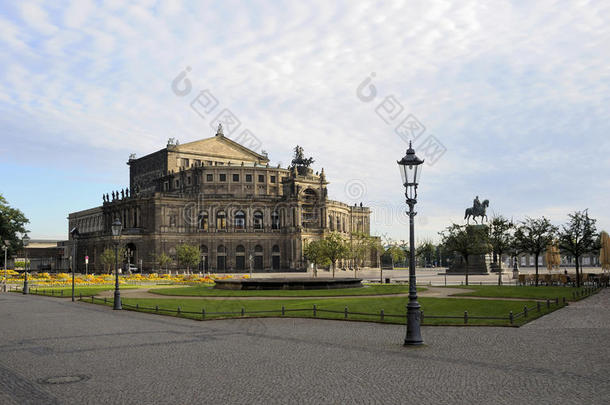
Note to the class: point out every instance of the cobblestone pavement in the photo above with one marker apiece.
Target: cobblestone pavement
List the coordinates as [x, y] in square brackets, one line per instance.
[134, 358]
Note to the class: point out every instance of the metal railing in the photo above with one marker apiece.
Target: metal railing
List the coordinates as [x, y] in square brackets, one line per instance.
[381, 316]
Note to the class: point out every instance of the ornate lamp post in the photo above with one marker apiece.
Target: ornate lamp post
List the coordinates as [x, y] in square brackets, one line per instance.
[26, 241]
[116, 235]
[75, 234]
[410, 170]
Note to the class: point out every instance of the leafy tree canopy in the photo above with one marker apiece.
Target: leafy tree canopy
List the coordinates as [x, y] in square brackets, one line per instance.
[12, 226]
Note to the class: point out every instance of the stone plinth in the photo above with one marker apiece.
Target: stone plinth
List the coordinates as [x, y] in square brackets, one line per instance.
[477, 264]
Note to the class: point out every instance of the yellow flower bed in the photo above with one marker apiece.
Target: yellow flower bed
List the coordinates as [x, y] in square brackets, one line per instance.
[59, 279]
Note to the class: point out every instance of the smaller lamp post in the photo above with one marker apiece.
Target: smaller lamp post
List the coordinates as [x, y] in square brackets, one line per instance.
[26, 241]
[116, 235]
[75, 234]
[251, 261]
[5, 249]
[410, 170]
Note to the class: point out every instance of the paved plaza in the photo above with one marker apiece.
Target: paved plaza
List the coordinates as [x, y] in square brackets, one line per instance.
[134, 358]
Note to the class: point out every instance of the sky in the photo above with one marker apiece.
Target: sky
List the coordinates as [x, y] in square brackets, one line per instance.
[507, 100]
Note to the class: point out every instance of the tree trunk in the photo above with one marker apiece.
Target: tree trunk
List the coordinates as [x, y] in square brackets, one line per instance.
[467, 269]
[577, 271]
[334, 265]
[536, 258]
[499, 269]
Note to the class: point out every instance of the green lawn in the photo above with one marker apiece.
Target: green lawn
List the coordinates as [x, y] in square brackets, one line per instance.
[205, 291]
[86, 291]
[528, 292]
[391, 306]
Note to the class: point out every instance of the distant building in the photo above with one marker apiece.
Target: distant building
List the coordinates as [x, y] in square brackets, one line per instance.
[44, 255]
[222, 197]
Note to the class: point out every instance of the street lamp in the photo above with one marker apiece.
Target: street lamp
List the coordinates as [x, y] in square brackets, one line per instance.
[75, 234]
[5, 248]
[116, 235]
[250, 260]
[410, 170]
[26, 241]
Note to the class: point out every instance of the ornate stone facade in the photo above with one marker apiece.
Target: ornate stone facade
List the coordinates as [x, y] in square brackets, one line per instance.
[222, 197]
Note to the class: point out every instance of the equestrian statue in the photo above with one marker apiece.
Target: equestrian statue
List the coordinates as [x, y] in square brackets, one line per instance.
[477, 210]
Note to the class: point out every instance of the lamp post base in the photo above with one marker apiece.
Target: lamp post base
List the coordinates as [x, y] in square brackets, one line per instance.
[413, 337]
[117, 300]
[26, 289]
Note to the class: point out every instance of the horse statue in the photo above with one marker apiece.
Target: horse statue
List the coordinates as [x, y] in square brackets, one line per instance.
[477, 210]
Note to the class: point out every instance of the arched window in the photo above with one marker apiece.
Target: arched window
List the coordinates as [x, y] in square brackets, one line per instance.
[203, 264]
[240, 258]
[258, 220]
[202, 220]
[240, 220]
[258, 257]
[221, 220]
[338, 224]
[275, 257]
[221, 258]
[275, 220]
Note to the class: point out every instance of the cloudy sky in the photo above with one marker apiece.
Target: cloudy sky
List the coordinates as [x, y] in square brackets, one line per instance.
[513, 97]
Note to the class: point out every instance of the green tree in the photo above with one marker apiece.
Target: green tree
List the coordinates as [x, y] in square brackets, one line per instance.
[466, 240]
[334, 248]
[314, 252]
[393, 250]
[501, 239]
[533, 236]
[107, 258]
[12, 226]
[188, 255]
[163, 260]
[578, 237]
[425, 252]
[360, 245]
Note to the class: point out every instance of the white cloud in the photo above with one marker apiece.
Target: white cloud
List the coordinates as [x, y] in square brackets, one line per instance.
[514, 91]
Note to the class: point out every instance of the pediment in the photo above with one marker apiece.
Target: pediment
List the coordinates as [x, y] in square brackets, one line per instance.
[221, 146]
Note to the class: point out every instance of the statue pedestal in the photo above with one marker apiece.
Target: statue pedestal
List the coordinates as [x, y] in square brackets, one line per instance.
[477, 264]
[496, 267]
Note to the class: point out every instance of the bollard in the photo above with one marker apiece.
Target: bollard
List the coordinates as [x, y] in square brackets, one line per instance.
[538, 306]
[421, 319]
[314, 310]
[564, 301]
[345, 312]
[573, 294]
[202, 313]
[156, 308]
[283, 310]
[381, 314]
[243, 311]
[465, 316]
[556, 300]
[548, 303]
[92, 299]
[511, 317]
[61, 292]
[525, 311]
[104, 300]
[137, 306]
[178, 311]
